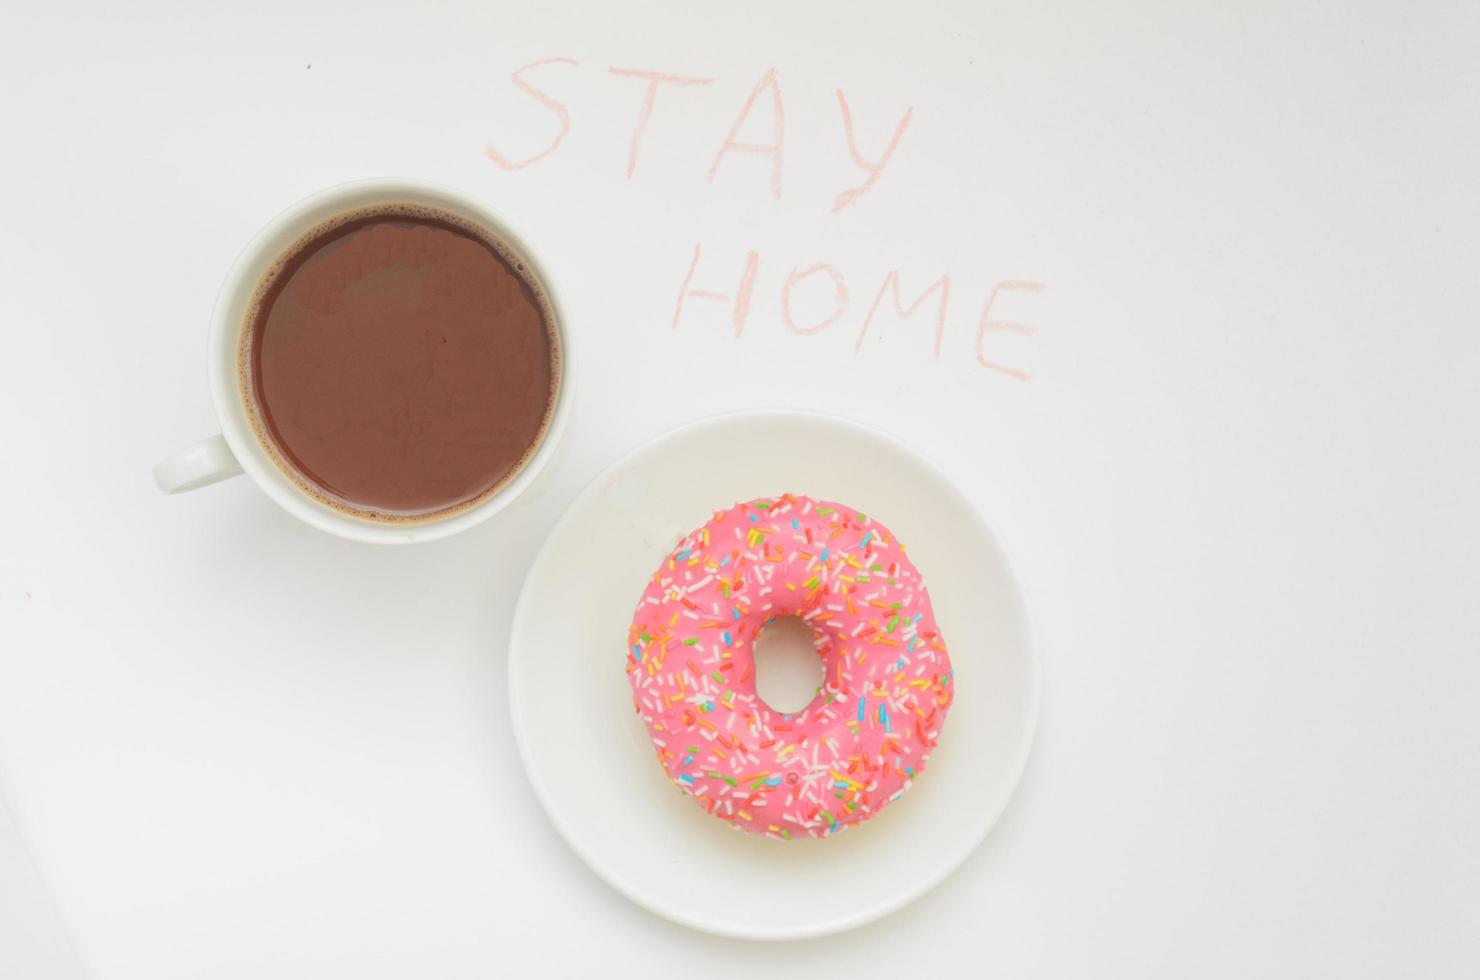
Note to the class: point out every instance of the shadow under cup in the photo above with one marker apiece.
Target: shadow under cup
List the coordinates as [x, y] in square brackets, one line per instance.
[400, 362]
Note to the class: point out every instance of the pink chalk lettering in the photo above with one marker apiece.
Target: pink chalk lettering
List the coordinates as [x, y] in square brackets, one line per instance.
[503, 162]
[848, 197]
[741, 310]
[778, 132]
[943, 284]
[654, 79]
[839, 287]
[987, 324]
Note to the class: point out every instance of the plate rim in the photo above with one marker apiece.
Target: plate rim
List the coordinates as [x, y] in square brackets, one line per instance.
[830, 926]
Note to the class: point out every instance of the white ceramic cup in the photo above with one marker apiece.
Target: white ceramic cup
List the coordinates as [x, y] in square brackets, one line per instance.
[237, 450]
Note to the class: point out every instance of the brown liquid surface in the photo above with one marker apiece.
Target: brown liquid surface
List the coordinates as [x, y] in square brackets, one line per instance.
[400, 364]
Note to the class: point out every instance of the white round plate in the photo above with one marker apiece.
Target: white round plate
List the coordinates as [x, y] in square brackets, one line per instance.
[592, 765]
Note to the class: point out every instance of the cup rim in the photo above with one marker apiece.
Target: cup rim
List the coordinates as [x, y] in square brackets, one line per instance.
[226, 324]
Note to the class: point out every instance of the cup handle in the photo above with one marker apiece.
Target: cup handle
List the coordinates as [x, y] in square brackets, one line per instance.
[208, 461]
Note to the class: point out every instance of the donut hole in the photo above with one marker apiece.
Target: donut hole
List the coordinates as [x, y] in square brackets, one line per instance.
[788, 669]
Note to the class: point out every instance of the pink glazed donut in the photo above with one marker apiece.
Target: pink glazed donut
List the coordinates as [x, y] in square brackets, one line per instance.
[887, 677]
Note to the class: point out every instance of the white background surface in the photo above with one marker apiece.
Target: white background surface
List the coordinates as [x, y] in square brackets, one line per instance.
[1240, 483]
